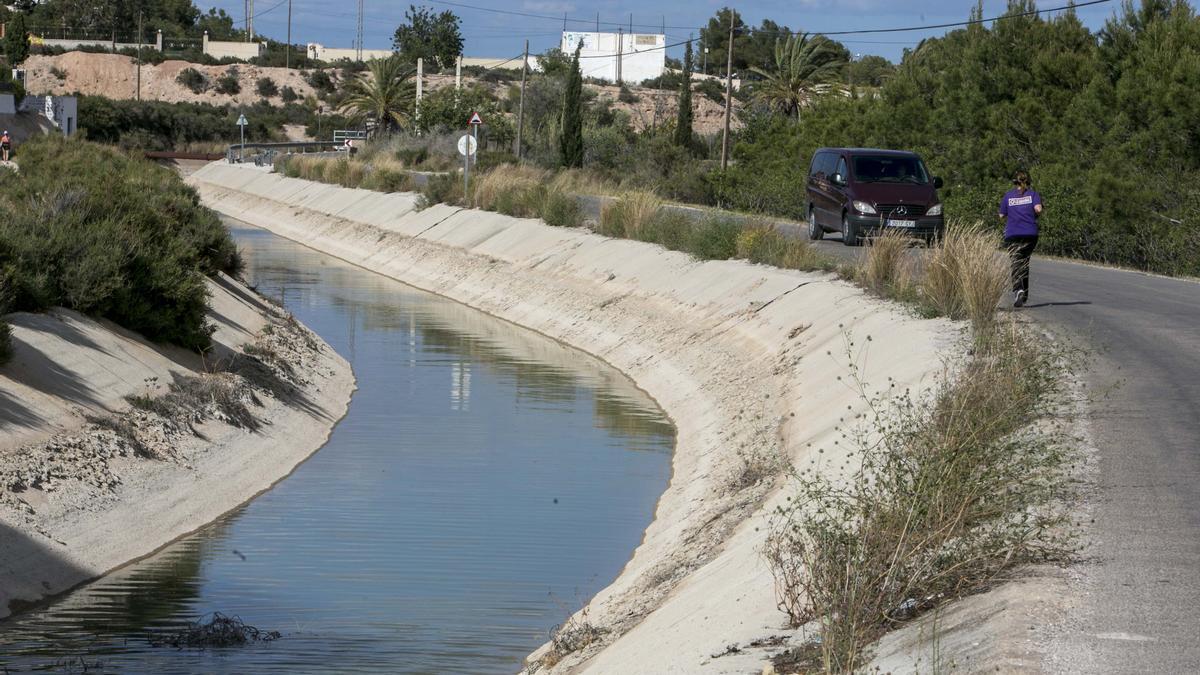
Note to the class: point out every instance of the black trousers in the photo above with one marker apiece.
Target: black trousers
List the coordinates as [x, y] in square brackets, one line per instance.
[1021, 249]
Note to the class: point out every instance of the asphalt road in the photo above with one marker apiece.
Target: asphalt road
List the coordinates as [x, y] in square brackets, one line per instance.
[1139, 604]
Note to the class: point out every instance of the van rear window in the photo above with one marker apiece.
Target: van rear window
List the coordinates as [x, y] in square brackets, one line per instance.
[889, 169]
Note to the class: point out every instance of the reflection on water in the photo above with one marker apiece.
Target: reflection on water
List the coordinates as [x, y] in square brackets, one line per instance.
[484, 483]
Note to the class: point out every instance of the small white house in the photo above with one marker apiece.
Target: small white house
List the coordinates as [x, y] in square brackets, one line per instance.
[625, 57]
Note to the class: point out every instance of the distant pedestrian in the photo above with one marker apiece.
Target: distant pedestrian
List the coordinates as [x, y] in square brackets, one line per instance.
[1020, 209]
[5, 145]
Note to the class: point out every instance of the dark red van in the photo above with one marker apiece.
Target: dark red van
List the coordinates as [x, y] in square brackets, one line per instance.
[862, 192]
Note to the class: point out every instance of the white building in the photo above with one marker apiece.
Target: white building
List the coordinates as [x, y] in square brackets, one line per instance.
[625, 57]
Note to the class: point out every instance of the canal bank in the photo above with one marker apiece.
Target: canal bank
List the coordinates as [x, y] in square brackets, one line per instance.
[750, 362]
[95, 477]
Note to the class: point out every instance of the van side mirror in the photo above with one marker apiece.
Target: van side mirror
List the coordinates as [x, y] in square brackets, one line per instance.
[937, 182]
[838, 179]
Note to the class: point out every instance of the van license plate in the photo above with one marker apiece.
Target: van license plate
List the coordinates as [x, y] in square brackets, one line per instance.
[901, 223]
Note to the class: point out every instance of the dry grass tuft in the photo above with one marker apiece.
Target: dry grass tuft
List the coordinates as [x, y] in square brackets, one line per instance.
[508, 189]
[967, 274]
[631, 215]
[885, 268]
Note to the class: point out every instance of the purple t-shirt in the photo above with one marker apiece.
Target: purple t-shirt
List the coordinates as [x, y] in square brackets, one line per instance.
[1018, 206]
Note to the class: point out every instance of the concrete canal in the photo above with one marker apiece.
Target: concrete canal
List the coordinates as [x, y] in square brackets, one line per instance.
[485, 482]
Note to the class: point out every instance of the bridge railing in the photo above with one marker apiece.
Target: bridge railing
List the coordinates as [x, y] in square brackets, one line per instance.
[265, 153]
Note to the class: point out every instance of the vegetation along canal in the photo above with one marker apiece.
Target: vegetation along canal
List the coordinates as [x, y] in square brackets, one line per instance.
[485, 482]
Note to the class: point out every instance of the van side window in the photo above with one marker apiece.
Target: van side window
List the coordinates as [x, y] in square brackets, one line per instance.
[818, 164]
[841, 169]
[830, 162]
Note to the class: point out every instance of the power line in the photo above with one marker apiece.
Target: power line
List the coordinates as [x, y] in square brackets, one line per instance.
[864, 31]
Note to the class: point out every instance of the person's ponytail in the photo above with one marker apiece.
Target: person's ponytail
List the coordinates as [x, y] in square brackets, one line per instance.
[1021, 180]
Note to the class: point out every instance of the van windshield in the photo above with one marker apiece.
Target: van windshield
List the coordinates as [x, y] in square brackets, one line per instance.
[890, 169]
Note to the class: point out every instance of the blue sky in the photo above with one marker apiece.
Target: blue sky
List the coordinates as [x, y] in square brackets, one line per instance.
[493, 34]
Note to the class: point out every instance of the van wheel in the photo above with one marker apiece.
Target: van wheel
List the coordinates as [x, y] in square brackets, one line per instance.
[815, 231]
[849, 232]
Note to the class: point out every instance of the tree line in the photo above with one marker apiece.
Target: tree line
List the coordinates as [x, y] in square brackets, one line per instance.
[1107, 123]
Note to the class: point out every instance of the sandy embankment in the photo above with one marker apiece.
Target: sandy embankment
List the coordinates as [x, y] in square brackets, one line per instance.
[749, 361]
[76, 501]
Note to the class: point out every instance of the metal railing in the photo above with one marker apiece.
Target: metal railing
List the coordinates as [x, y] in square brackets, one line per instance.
[342, 135]
[264, 153]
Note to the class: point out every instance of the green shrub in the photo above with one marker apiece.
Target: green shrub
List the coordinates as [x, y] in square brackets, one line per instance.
[5, 343]
[413, 157]
[229, 84]
[442, 189]
[670, 229]
[267, 88]
[763, 243]
[289, 95]
[715, 238]
[193, 80]
[106, 234]
[320, 81]
[561, 210]
[386, 180]
[58, 73]
[713, 90]
[157, 125]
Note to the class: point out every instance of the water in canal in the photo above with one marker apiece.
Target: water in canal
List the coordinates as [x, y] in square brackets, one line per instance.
[485, 482]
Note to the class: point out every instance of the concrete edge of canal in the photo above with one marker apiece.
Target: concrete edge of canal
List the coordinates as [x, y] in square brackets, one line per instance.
[88, 503]
[749, 361]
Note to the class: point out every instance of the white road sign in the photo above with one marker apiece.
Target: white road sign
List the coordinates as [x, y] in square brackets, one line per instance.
[467, 145]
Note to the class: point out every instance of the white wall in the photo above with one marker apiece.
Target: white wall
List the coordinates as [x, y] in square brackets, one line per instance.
[236, 50]
[319, 51]
[642, 56]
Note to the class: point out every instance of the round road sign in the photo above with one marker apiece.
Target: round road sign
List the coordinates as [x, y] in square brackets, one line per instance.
[467, 145]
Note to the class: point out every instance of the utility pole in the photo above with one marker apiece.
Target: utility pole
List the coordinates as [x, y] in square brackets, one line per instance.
[139, 57]
[521, 107]
[620, 49]
[289, 44]
[420, 89]
[249, 20]
[728, 94]
[359, 43]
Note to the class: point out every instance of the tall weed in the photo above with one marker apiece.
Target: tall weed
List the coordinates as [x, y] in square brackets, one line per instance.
[630, 215]
[885, 267]
[966, 274]
[948, 490]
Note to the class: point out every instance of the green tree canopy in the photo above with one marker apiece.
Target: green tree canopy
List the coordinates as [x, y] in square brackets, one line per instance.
[801, 62]
[16, 41]
[571, 147]
[683, 122]
[429, 35]
[385, 93]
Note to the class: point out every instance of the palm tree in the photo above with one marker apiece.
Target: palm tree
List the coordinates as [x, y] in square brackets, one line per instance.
[801, 62]
[385, 93]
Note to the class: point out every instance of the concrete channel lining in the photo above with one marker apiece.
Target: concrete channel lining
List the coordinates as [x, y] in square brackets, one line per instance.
[750, 362]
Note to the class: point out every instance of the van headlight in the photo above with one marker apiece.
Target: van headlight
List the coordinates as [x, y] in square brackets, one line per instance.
[935, 210]
[863, 207]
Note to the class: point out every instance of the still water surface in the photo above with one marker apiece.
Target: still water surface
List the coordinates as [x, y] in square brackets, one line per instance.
[485, 482]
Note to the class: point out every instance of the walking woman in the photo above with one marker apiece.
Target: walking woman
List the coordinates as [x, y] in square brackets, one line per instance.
[1020, 209]
[5, 146]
